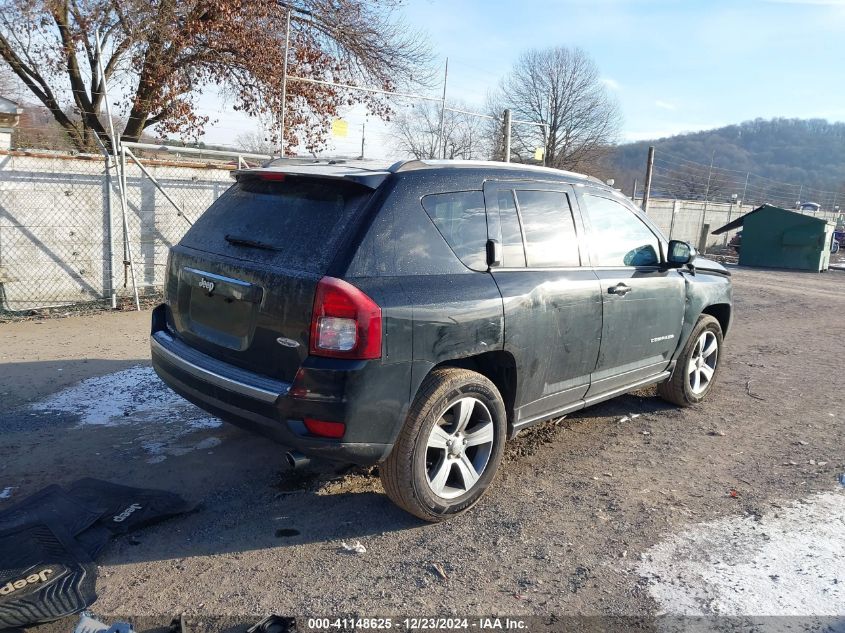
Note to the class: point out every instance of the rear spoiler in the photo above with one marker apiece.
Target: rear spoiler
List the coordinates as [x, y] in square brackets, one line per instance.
[371, 179]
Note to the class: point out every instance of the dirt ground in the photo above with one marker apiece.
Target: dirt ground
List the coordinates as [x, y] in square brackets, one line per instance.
[572, 516]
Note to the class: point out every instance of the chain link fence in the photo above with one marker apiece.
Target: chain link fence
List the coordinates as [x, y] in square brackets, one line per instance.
[64, 243]
[54, 230]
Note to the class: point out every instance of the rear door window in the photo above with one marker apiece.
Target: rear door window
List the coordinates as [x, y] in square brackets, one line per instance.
[618, 237]
[549, 228]
[462, 221]
[297, 223]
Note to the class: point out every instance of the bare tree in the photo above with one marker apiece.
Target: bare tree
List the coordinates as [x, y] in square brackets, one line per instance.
[559, 87]
[416, 132]
[255, 143]
[159, 56]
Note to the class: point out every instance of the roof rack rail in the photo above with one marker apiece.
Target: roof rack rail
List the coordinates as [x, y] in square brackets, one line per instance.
[414, 164]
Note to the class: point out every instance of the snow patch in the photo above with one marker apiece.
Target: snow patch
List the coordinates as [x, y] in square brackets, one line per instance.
[135, 398]
[132, 396]
[789, 562]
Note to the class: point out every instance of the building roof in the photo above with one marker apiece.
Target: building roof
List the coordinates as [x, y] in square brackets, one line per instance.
[764, 208]
[7, 106]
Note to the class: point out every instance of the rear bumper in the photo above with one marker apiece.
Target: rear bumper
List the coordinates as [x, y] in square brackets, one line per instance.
[255, 402]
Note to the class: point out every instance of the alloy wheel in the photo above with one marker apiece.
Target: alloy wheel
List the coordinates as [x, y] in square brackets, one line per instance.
[459, 447]
[702, 364]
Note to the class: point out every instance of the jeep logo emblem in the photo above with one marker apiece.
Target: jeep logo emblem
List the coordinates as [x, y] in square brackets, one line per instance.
[206, 285]
[120, 518]
[33, 579]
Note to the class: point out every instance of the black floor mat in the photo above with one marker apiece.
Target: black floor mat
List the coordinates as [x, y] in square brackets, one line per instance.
[49, 540]
[52, 505]
[124, 509]
[94, 540]
[45, 574]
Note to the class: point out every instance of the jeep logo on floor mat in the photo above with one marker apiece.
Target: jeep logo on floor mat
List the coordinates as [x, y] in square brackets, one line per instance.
[120, 518]
[14, 585]
[206, 284]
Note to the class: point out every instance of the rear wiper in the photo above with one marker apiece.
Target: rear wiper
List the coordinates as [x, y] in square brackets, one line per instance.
[243, 241]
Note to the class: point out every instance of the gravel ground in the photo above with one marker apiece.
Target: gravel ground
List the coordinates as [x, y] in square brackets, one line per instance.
[587, 516]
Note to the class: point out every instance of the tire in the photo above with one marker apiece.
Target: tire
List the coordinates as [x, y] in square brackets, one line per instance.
[469, 412]
[681, 388]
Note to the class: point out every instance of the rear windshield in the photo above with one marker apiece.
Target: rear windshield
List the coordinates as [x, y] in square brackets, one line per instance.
[297, 223]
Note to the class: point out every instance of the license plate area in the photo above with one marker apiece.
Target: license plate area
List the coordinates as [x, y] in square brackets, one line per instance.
[219, 309]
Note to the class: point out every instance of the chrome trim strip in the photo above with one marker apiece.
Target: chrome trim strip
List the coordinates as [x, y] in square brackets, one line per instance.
[216, 277]
[212, 377]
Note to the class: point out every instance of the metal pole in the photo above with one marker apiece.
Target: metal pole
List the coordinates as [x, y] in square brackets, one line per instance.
[674, 213]
[634, 191]
[507, 123]
[649, 168]
[126, 242]
[441, 141]
[320, 82]
[284, 86]
[110, 242]
[707, 191]
[744, 191]
[179, 210]
[363, 137]
[730, 213]
[109, 221]
[120, 160]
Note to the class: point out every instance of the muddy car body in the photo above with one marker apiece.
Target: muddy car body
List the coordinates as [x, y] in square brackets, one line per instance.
[421, 314]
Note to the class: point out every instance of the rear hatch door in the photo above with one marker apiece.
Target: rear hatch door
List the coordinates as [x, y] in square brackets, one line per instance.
[241, 283]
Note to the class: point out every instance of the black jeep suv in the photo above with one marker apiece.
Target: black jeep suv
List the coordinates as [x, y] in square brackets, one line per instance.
[420, 315]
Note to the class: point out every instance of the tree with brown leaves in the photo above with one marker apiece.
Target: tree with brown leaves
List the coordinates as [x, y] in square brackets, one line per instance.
[159, 56]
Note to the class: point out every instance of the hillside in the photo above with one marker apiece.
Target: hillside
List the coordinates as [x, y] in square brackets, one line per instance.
[808, 153]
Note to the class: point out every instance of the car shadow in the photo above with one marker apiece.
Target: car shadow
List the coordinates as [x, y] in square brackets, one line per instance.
[640, 402]
[121, 424]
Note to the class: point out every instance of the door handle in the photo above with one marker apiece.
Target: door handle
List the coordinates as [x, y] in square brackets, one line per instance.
[619, 289]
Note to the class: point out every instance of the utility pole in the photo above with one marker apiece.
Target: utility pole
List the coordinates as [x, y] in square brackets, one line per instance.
[363, 131]
[744, 191]
[284, 86]
[507, 124]
[649, 168]
[441, 140]
[707, 191]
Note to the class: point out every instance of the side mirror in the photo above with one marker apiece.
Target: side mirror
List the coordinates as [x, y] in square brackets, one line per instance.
[680, 253]
[494, 253]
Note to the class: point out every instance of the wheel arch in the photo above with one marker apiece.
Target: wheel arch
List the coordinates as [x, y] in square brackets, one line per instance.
[722, 313]
[499, 367]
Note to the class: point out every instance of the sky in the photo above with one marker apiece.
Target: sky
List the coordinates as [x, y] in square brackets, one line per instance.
[673, 65]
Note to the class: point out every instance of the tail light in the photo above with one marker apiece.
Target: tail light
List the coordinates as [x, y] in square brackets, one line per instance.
[323, 428]
[345, 322]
